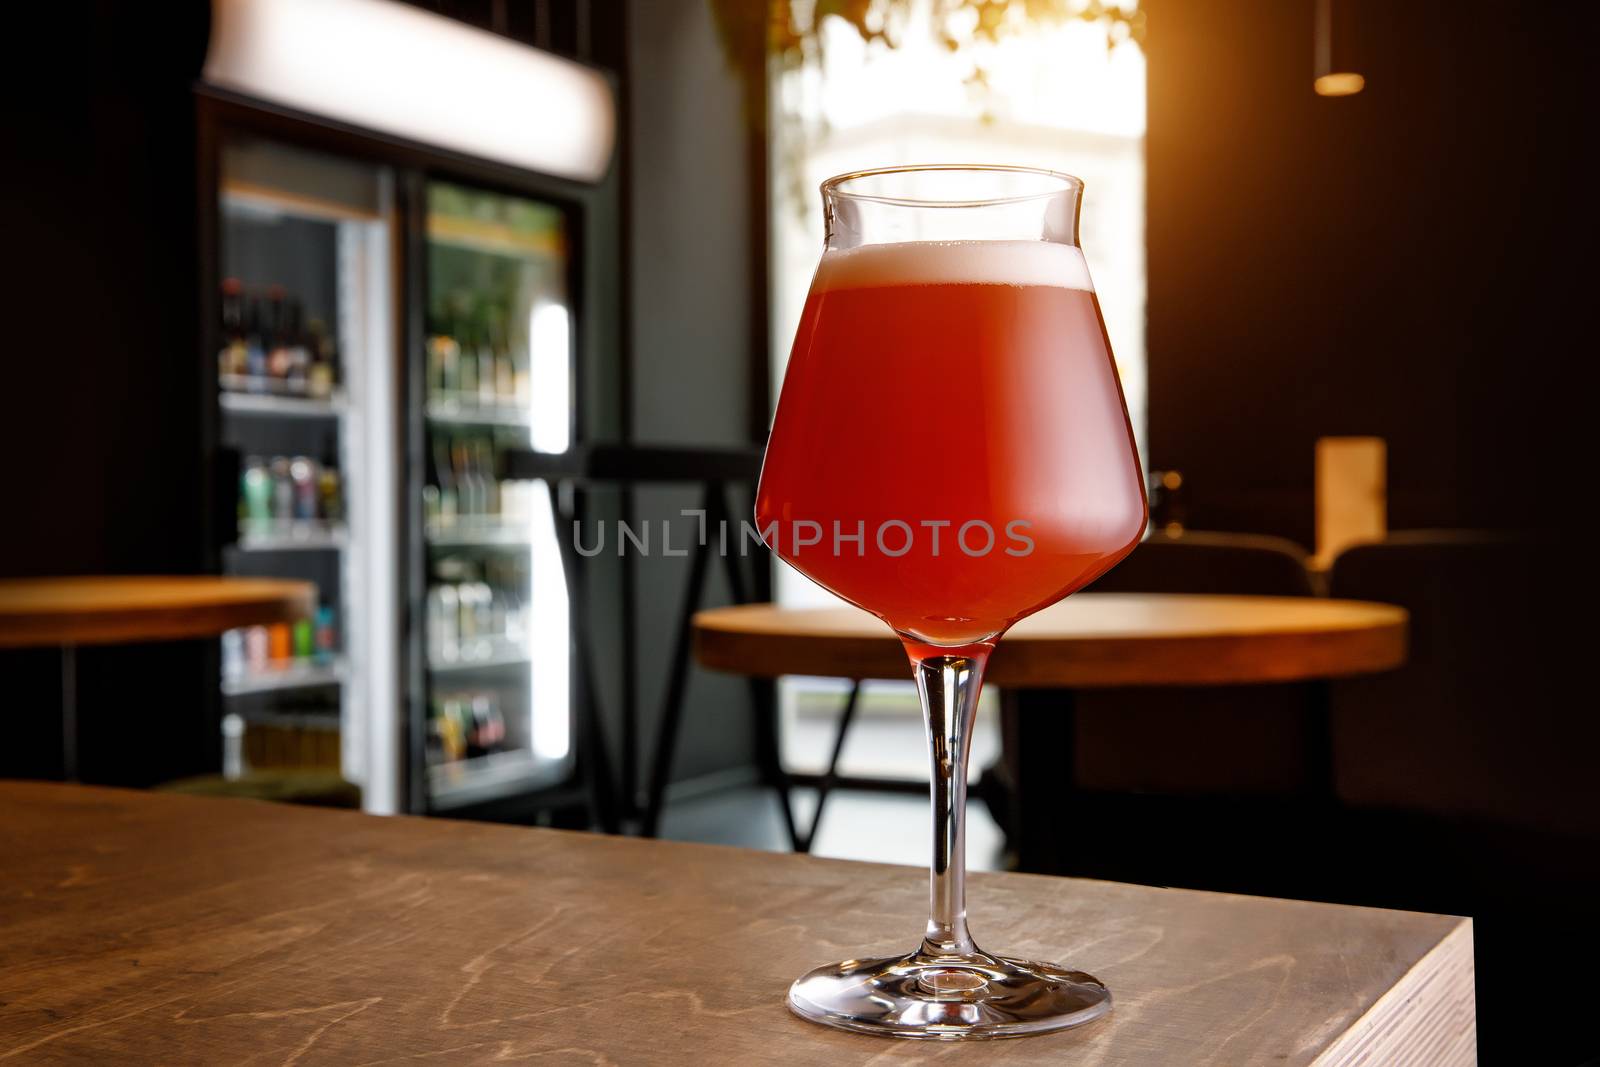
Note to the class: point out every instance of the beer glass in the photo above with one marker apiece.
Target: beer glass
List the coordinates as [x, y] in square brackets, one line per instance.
[952, 453]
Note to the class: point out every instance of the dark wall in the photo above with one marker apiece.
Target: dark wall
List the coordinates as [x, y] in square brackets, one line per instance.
[1411, 262]
[691, 257]
[1405, 262]
[101, 296]
[103, 405]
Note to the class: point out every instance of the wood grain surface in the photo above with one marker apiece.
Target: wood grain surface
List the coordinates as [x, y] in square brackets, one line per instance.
[38, 612]
[155, 928]
[1091, 639]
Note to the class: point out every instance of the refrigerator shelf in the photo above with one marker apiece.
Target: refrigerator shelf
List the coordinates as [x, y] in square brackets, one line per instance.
[473, 413]
[463, 782]
[288, 407]
[291, 535]
[294, 676]
[489, 652]
[467, 535]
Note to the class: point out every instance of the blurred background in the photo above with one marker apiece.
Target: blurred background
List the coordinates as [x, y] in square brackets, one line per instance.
[386, 295]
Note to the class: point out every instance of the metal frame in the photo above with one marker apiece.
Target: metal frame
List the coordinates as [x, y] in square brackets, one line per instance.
[627, 467]
[829, 779]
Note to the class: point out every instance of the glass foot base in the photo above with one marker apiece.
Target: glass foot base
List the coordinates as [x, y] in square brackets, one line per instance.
[936, 998]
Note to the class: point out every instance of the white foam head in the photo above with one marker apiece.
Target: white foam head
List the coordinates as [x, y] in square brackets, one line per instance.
[954, 263]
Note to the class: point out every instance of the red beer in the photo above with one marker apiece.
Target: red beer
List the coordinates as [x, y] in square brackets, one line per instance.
[952, 451]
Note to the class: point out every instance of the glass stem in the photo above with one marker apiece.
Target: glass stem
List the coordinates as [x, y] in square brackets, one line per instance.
[949, 686]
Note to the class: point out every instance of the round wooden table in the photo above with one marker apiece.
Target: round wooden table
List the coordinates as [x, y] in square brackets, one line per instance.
[108, 610]
[1086, 641]
[1091, 640]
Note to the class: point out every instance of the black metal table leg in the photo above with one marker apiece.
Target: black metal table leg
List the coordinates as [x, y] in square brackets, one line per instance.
[769, 757]
[711, 502]
[591, 728]
[69, 712]
[830, 777]
[1320, 777]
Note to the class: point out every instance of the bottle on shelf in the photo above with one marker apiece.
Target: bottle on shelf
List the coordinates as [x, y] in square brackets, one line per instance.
[505, 371]
[326, 637]
[467, 365]
[488, 725]
[255, 491]
[483, 459]
[303, 476]
[297, 372]
[323, 374]
[444, 352]
[444, 363]
[255, 362]
[448, 507]
[446, 741]
[233, 356]
[466, 485]
[304, 639]
[279, 355]
[257, 651]
[233, 655]
[330, 492]
[432, 520]
[282, 490]
[444, 621]
[278, 644]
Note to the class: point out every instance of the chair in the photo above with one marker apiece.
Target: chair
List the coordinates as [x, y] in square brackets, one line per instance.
[1216, 563]
[1476, 725]
[1210, 740]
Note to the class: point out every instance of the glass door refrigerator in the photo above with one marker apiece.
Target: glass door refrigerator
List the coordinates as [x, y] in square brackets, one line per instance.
[384, 319]
[304, 301]
[497, 374]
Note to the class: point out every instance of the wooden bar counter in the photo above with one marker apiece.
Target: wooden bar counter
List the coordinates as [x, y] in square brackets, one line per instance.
[140, 927]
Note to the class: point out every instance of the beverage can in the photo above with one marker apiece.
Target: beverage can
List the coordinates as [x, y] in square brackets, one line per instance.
[303, 639]
[278, 643]
[330, 497]
[282, 490]
[303, 475]
[233, 661]
[256, 485]
[327, 635]
[255, 649]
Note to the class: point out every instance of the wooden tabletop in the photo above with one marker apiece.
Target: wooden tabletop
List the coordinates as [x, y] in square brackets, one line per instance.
[36, 612]
[195, 930]
[1091, 639]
